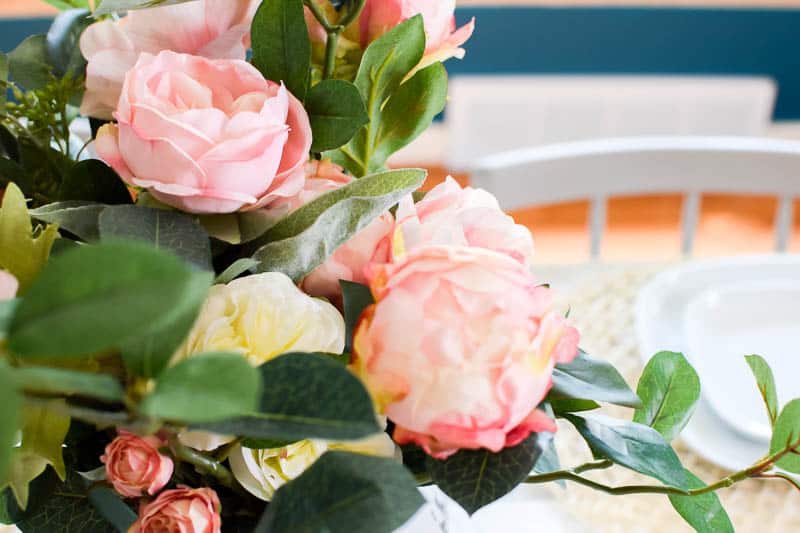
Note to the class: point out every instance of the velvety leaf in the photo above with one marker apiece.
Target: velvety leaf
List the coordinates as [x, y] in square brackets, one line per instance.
[636, 446]
[306, 396]
[168, 230]
[108, 7]
[62, 48]
[786, 435]
[669, 389]
[336, 111]
[81, 219]
[705, 512]
[344, 493]
[766, 384]
[475, 478]
[236, 269]
[94, 181]
[96, 298]
[303, 240]
[10, 404]
[70, 383]
[22, 253]
[281, 47]
[108, 504]
[242, 227]
[355, 298]
[205, 388]
[27, 63]
[592, 379]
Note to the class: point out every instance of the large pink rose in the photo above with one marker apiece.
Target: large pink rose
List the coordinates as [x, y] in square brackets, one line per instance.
[181, 510]
[207, 136]
[8, 285]
[443, 40]
[135, 467]
[459, 349]
[449, 214]
[217, 29]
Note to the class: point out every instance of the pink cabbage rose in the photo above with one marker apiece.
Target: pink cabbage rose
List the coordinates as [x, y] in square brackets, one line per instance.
[8, 285]
[449, 214]
[135, 467]
[370, 245]
[207, 136]
[216, 29]
[183, 510]
[459, 349]
[442, 39]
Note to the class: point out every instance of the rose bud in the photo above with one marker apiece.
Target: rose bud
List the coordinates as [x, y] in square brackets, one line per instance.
[134, 465]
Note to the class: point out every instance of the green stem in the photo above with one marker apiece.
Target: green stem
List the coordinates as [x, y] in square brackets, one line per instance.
[352, 14]
[319, 15]
[330, 55]
[202, 463]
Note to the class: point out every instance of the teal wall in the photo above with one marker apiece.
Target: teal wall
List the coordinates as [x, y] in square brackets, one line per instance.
[523, 40]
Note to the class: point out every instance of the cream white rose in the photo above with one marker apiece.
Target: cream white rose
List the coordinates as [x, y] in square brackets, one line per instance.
[263, 316]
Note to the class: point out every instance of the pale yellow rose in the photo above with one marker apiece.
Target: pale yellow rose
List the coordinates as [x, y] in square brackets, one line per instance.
[263, 316]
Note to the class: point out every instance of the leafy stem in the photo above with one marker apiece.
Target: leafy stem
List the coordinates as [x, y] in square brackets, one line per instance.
[333, 30]
[202, 463]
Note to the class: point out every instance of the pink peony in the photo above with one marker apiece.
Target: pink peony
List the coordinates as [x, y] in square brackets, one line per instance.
[8, 285]
[207, 136]
[459, 348]
[449, 214]
[216, 29]
[181, 510]
[135, 467]
[442, 39]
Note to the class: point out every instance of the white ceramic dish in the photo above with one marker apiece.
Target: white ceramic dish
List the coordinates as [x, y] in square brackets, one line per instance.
[661, 324]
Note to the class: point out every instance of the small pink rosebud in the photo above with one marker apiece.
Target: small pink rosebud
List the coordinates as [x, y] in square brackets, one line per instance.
[135, 467]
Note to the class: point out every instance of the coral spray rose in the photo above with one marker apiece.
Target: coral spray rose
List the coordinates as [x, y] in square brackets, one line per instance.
[216, 29]
[134, 465]
[459, 348]
[181, 510]
[207, 136]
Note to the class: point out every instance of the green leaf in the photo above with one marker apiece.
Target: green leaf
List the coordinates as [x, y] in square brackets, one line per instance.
[27, 63]
[69, 382]
[592, 379]
[669, 389]
[94, 181]
[68, 4]
[306, 396]
[7, 308]
[95, 298]
[705, 512]
[355, 298]
[766, 384]
[386, 62]
[303, 240]
[281, 47]
[12, 172]
[79, 218]
[236, 269]
[475, 478]
[635, 446]
[169, 230]
[108, 7]
[23, 252]
[561, 406]
[62, 49]
[205, 388]
[242, 227]
[265, 444]
[10, 404]
[344, 493]
[786, 436]
[109, 505]
[336, 111]
[548, 461]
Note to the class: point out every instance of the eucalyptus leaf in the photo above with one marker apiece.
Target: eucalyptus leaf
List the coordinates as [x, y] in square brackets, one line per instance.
[92, 180]
[95, 298]
[635, 446]
[10, 405]
[28, 65]
[62, 48]
[766, 384]
[786, 436]
[162, 229]
[336, 111]
[586, 378]
[475, 478]
[669, 389]
[281, 46]
[82, 219]
[69, 382]
[205, 388]
[705, 512]
[304, 239]
[355, 298]
[305, 396]
[344, 493]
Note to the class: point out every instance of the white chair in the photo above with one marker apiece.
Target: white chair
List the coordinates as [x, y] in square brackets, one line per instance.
[491, 114]
[599, 169]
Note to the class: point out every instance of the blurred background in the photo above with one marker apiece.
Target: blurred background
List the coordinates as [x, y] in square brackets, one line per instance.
[545, 72]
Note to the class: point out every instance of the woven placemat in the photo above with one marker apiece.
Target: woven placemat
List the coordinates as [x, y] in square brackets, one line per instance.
[601, 306]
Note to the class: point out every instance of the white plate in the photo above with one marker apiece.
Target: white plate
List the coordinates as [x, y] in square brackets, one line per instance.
[660, 312]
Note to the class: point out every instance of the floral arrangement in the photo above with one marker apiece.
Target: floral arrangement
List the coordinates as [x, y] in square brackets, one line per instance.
[222, 312]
